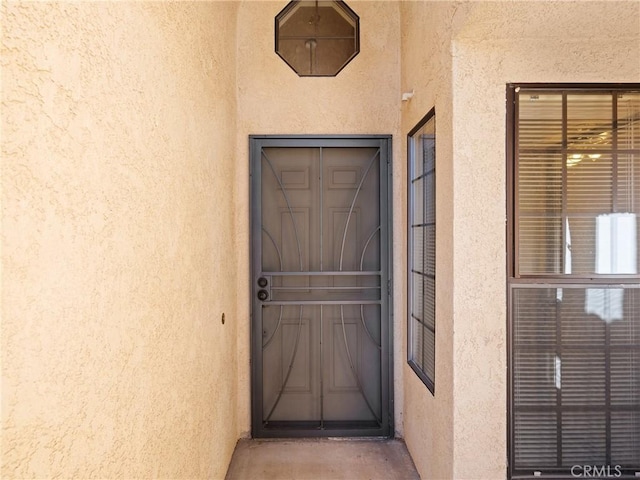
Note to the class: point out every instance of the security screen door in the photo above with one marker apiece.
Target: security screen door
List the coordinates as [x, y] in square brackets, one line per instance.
[320, 286]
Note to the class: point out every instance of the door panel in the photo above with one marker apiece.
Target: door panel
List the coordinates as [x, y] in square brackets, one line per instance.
[320, 285]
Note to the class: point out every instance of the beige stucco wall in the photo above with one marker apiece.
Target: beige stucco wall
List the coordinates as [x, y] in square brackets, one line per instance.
[501, 43]
[460, 58]
[125, 209]
[426, 70]
[363, 99]
[118, 169]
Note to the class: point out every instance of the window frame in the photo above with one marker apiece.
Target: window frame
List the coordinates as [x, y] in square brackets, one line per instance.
[339, 6]
[545, 280]
[411, 155]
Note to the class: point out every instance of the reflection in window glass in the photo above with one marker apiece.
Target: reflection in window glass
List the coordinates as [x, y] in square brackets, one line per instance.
[574, 172]
[572, 357]
[574, 303]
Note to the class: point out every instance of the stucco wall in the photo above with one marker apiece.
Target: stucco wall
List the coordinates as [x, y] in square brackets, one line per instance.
[125, 210]
[363, 99]
[505, 42]
[459, 58]
[118, 151]
[426, 70]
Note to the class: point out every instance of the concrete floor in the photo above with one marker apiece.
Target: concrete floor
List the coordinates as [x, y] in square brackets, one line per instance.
[321, 459]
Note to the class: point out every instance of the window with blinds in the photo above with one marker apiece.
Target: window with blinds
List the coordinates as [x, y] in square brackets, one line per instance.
[421, 170]
[574, 283]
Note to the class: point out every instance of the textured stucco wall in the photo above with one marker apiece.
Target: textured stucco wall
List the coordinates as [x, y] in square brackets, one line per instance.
[118, 152]
[505, 42]
[426, 70]
[125, 214]
[363, 99]
[459, 58]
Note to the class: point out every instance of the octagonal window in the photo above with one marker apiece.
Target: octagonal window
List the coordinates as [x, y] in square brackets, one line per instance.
[317, 38]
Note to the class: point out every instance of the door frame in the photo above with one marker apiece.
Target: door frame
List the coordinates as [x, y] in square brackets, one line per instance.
[384, 143]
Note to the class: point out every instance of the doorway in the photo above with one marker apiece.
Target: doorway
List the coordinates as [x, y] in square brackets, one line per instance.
[321, 286]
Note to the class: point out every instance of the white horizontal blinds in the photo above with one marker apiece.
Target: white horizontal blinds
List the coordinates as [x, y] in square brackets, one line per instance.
[576, 381]
[623, 450]
[575, 358]
[628, 157]
[589, 122]
[536, 440]
[540, 181]
[535, 421]
[422, 252]
[628, 119]
[590, 175]
[628, 179]
[584, 438]
[423, 341]
[575, 174]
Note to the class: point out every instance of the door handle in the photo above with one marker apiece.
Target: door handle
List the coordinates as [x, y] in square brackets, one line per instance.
[263, 295]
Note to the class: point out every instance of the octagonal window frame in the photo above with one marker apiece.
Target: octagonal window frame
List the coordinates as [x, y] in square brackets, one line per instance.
[342, 8]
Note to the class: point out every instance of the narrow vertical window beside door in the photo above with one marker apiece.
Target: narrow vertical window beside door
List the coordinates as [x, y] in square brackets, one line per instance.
[421, 170]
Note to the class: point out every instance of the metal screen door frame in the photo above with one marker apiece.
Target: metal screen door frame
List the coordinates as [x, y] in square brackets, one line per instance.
[384, 426]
